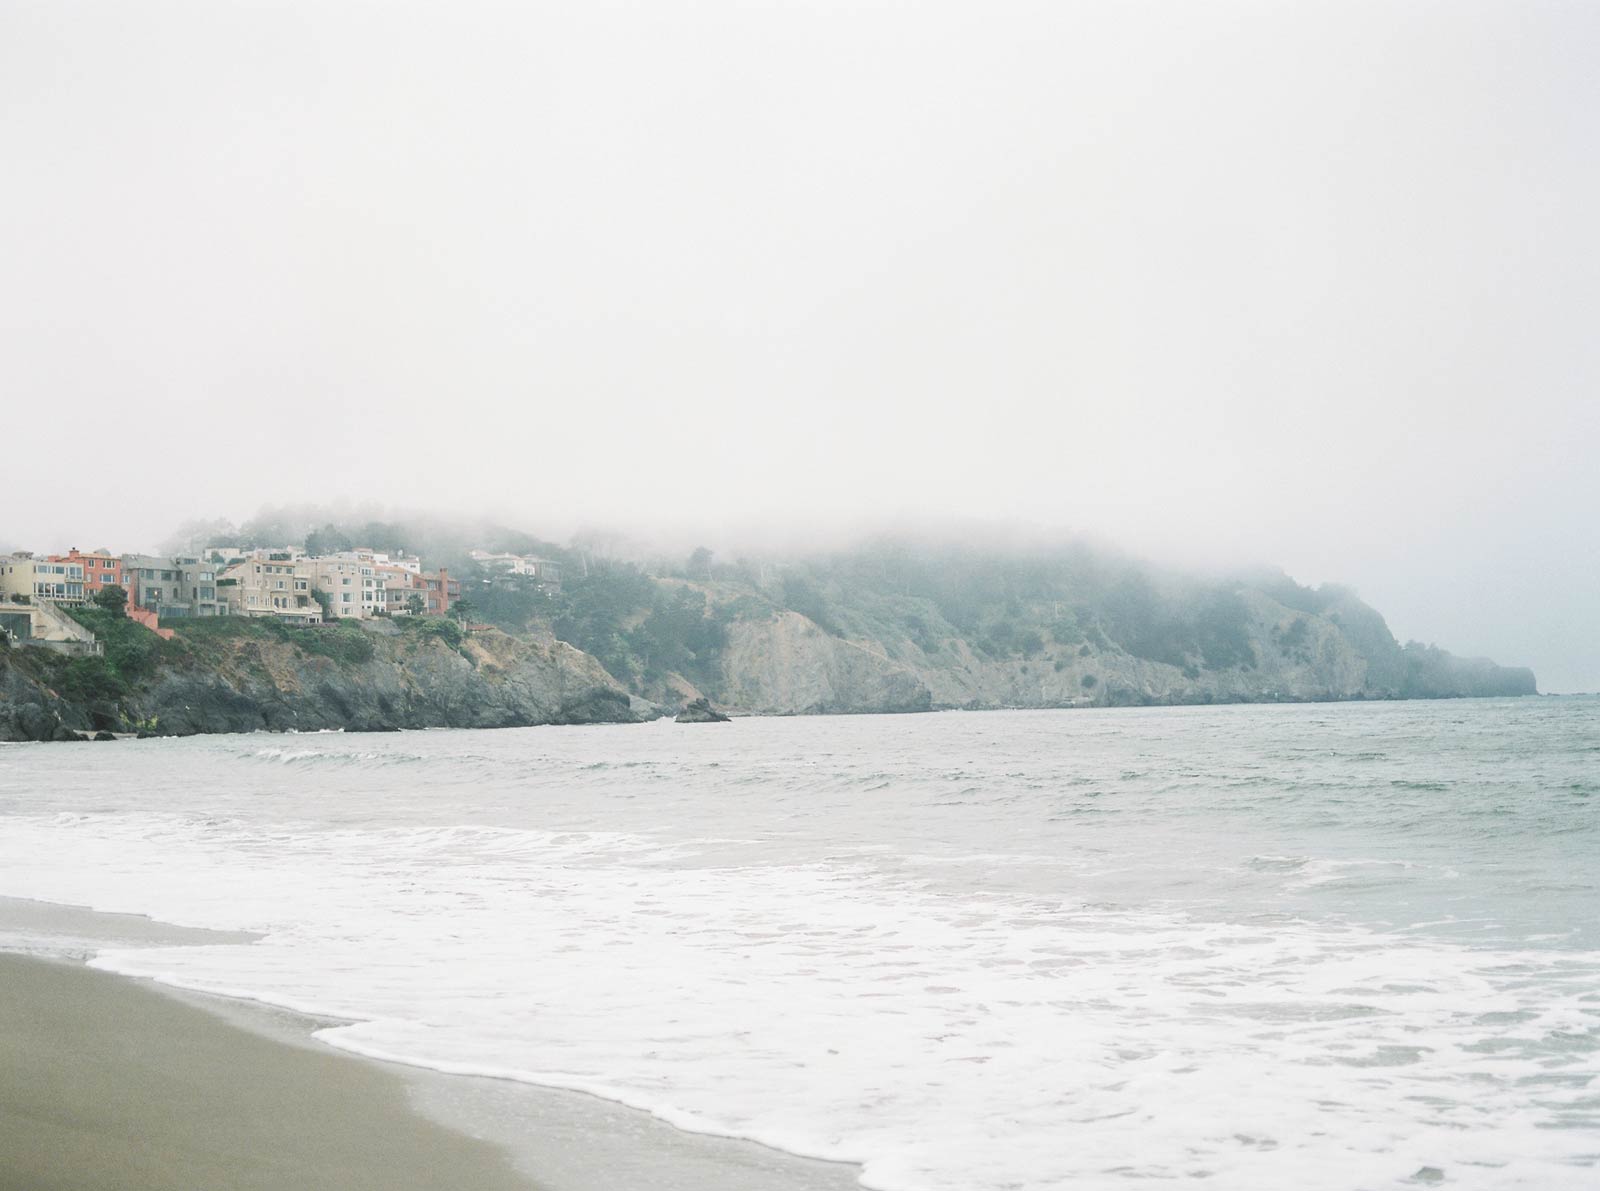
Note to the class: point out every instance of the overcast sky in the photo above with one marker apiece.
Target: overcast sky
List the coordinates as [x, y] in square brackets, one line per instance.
[1283, 282]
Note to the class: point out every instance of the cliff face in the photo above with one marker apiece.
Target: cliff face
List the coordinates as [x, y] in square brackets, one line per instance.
[903, 624]
[789, 666]
[29, 709]
[246, 683]
[785, 664]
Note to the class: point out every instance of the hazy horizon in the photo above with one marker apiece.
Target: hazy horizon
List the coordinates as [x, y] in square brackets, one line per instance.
[1225, 285]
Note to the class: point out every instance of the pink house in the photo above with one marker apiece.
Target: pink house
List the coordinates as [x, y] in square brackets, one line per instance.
[100, 570]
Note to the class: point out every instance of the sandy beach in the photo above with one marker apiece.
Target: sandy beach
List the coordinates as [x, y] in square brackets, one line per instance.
[105, 1083]
[112, 1082]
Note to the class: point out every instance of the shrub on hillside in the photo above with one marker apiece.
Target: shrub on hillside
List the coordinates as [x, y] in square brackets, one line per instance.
[805, 597]
[346, 643]
[448, 631]
[90, 679]
[113, 599]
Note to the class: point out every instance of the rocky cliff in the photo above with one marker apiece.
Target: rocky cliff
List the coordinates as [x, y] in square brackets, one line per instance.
[899, 627]
[249, 679]
[889, 628]
[785, 664]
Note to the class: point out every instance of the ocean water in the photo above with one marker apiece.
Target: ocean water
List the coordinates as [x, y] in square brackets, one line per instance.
[1323, 947]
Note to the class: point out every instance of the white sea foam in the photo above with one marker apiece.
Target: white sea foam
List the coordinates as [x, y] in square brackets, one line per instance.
[945, 1043]
[345, 756]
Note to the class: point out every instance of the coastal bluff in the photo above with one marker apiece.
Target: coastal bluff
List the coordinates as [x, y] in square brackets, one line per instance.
[902, 623]
[889, 629]
[244, 677]
[784, 663]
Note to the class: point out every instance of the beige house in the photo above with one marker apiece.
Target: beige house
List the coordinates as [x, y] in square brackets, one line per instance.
[280, 588]
[41, 579]
[350, 583]
[400, 585]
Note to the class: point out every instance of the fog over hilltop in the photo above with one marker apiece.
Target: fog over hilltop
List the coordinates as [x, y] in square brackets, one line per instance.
[1228, 285]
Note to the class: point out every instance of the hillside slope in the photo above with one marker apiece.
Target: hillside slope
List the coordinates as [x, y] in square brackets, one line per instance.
[886, 627]
[1292, 656]
[243, 676]
[896, 628]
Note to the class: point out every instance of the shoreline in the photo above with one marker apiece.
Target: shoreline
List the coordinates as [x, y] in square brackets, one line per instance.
[106, 1051]
[86, 736]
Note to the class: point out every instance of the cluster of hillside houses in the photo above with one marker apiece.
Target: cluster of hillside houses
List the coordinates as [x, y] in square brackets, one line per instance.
[283, 583]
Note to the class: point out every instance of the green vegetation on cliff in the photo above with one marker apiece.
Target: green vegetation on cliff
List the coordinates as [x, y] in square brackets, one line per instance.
[901, 624]
[237, 674]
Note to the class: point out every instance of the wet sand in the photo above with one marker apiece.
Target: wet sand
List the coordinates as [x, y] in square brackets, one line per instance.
[74, 1086]
[108, 1084]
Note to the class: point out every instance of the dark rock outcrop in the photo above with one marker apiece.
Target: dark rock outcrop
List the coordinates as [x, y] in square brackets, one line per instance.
[410, 680]
[700, 711]
[29, 710]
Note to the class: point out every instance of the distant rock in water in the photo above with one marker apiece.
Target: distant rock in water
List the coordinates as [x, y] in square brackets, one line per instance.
[701, 712]
[644, 710]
